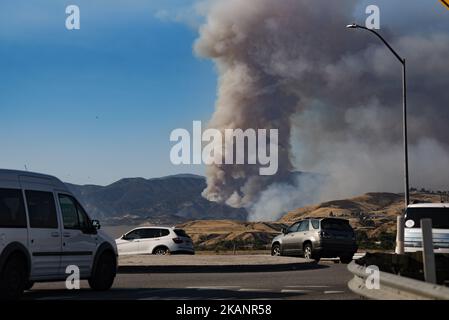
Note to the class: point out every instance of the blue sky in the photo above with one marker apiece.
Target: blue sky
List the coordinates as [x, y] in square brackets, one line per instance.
[98, 104]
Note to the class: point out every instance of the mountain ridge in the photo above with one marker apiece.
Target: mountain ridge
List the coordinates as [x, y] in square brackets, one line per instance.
[170, 199]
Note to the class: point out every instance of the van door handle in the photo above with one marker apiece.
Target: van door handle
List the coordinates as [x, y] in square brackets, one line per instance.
[55, 234]
[66, 235]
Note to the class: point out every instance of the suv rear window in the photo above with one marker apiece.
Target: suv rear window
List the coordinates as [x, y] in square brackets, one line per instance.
[336, 224]
[439, 216]
[181, 233]
[12, 209]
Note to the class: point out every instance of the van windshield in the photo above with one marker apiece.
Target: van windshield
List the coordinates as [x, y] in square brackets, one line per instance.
[335, 224]
[439, 216]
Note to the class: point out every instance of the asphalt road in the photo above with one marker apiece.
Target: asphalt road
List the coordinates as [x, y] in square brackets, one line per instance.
[324, 281]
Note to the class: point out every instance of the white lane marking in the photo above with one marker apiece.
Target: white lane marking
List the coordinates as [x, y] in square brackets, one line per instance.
[255, 290]
[56, 298]
[214, 287]
[333, 292]
[294, 291]
[307, 286]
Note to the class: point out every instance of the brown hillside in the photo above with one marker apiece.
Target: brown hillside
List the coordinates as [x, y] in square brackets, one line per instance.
[375, 212]
[222, 233]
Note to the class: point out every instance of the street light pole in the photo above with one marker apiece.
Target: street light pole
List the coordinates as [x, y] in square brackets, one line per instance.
[404, 119]
[404, 106]
[400, 222]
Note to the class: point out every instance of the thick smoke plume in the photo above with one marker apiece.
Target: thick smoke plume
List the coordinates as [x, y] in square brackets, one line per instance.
[334, 95]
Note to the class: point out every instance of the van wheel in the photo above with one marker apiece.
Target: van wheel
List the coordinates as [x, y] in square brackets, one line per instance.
[346, 259]
[161, 251]
[104, 273]
[13, 278]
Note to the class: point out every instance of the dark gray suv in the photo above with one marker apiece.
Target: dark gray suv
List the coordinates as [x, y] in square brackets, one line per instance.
[316, 238]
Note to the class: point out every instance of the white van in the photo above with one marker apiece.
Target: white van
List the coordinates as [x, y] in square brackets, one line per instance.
[43, 230]
[439, 213]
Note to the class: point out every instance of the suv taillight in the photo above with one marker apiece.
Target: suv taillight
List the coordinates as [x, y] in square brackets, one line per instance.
[325, 235]
[177, 240]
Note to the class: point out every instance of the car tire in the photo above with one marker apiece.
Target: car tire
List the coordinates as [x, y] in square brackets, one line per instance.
[346, 259]
[308, 253]
[13, 278]
[276, 250]
[161, 251]
[104, 272]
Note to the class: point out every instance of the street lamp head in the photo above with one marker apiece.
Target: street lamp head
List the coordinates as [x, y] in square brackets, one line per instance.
[352, 26]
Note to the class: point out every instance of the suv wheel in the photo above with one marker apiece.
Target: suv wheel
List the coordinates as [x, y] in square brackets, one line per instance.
[13, 279]
[276, 250]
[105, 272]
[28, 285]
[346, 259]
[308, 253]
[161, 251]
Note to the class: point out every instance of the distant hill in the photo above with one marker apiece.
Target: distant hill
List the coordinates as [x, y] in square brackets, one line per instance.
[373, 215]
[374, 212]
[167, 200]
[224, 234]
[177, 200]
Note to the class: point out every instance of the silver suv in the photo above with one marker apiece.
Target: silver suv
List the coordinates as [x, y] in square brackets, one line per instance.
[316, 238]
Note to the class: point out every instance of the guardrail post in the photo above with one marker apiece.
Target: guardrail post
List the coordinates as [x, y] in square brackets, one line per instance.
[400, 235]
[428, 254]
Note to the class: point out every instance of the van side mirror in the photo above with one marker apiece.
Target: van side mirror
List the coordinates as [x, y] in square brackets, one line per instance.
[284, 230]
[96, 224]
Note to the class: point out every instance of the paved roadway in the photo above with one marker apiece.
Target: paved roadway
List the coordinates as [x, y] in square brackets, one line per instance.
[324, 281]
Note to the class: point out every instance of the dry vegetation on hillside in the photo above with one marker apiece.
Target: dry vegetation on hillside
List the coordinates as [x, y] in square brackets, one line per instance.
[373, 215]
[225, 234]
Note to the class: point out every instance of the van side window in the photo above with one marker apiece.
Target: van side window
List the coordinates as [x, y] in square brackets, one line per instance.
[41, 209]
[12, 209]
[73, 215]
[315, 224]
[69, 212]
[83, 217]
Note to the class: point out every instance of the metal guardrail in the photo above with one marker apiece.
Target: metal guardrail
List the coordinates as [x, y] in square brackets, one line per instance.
[393, 287]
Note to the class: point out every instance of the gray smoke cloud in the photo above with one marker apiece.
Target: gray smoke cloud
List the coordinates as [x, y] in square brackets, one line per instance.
[335, 96]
